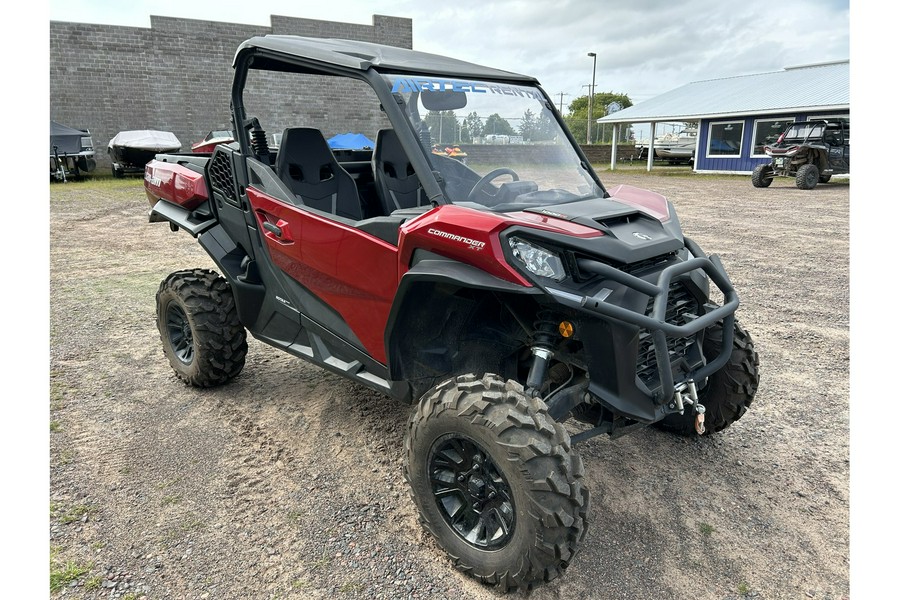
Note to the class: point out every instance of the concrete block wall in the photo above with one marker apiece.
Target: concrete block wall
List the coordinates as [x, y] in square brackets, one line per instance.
[176, 76]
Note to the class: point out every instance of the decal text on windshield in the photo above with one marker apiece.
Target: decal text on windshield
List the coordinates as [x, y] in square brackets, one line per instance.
[454, 85]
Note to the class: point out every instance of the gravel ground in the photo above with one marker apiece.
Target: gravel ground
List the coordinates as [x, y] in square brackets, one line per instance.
[287, 482]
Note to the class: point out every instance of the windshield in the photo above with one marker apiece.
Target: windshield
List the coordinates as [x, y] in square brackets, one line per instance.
[496, 146]
[800, 131]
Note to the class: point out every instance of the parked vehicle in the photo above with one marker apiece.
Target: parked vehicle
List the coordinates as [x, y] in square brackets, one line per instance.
[672, 147]
[130, 151]
[71, 152]
[809, 151]
[454, 152]
[501, 298]
[212, 139]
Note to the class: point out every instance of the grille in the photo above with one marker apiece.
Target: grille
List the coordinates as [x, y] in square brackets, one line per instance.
[681, 308]
[221, 177]
[636, 268]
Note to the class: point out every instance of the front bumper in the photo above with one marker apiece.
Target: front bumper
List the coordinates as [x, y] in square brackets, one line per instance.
[616, 313]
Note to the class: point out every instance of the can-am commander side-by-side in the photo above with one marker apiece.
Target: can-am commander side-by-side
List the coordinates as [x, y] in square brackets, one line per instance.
[500, 296]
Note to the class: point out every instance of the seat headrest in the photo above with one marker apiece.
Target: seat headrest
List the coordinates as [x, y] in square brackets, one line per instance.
[305, 155]
[390, 156]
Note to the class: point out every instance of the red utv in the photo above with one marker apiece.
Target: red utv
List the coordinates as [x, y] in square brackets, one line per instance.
[500, 298]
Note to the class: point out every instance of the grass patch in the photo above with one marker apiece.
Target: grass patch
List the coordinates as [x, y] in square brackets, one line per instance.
[297, 516]
[706, 529]
[743, 589]
[57, 395]
[351, 587]
[189, 523]
[640, 168]
[169, 500]
[137, 284]
[299, 584]
[323, 561]
[100, 181]
[93, 583]
[65, 457]
[70, 514]
[64, 573]
[54, 426]
[169, 483]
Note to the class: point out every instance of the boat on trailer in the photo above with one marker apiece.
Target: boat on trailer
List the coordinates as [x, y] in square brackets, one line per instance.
[130, 151]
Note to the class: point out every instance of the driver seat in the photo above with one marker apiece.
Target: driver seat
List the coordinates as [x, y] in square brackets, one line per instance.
[396, 183]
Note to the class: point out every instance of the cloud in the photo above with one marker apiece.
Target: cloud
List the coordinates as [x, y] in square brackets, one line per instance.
[644, 47]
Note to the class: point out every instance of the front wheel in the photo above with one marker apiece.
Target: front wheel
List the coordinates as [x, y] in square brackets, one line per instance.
[762, 176]
[729, 391]
[199, 327]
[496, 481]
[807, 176]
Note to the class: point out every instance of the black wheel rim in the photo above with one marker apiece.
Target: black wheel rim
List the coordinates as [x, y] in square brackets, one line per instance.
[181, 338]
[471, 493]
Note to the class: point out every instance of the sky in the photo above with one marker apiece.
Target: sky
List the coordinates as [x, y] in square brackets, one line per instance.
[643, 47]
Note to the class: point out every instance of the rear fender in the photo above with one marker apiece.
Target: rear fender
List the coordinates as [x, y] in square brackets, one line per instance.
[177, 179]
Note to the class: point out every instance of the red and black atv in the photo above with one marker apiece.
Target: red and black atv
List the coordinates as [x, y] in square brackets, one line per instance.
[500, 297]
[809, 151]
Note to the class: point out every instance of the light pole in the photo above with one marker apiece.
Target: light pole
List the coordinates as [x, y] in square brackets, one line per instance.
[591, 97]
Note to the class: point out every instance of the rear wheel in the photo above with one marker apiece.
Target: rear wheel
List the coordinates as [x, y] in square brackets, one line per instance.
[807, 176]
[496, 481]
[117, 172]
[198, 324]
[729, 391]
[762, 176]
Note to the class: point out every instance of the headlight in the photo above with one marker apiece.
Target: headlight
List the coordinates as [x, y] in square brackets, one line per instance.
[537, 260]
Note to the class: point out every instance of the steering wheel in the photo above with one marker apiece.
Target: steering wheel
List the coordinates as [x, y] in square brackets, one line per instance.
[487, 179]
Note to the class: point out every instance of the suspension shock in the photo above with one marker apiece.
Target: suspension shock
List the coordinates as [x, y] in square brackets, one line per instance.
[541, 350]
[258, 141]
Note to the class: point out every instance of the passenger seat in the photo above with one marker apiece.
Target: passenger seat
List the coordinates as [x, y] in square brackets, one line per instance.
[307, 166]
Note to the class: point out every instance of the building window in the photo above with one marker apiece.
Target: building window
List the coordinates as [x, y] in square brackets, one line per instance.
[725, 139]
[766, 131]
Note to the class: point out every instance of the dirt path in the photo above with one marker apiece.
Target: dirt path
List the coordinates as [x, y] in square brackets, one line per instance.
[287, 483]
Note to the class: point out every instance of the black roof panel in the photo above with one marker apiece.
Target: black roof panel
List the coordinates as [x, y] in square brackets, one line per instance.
[362, 55]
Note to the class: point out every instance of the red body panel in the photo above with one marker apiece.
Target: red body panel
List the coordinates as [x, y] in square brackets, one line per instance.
[473, 237]
[651, 203]
[174, 183]
[204, 147]
[207, 146]
[358, 274]
[352, 271]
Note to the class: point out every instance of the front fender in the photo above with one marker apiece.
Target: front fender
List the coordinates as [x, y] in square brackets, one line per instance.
[432, 301]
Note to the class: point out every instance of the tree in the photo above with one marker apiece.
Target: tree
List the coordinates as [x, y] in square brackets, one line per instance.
[545, 128]
[536, 128]
[472, 127]
[443, 126]
[497, 125]
[527, 127]
[577, 117]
